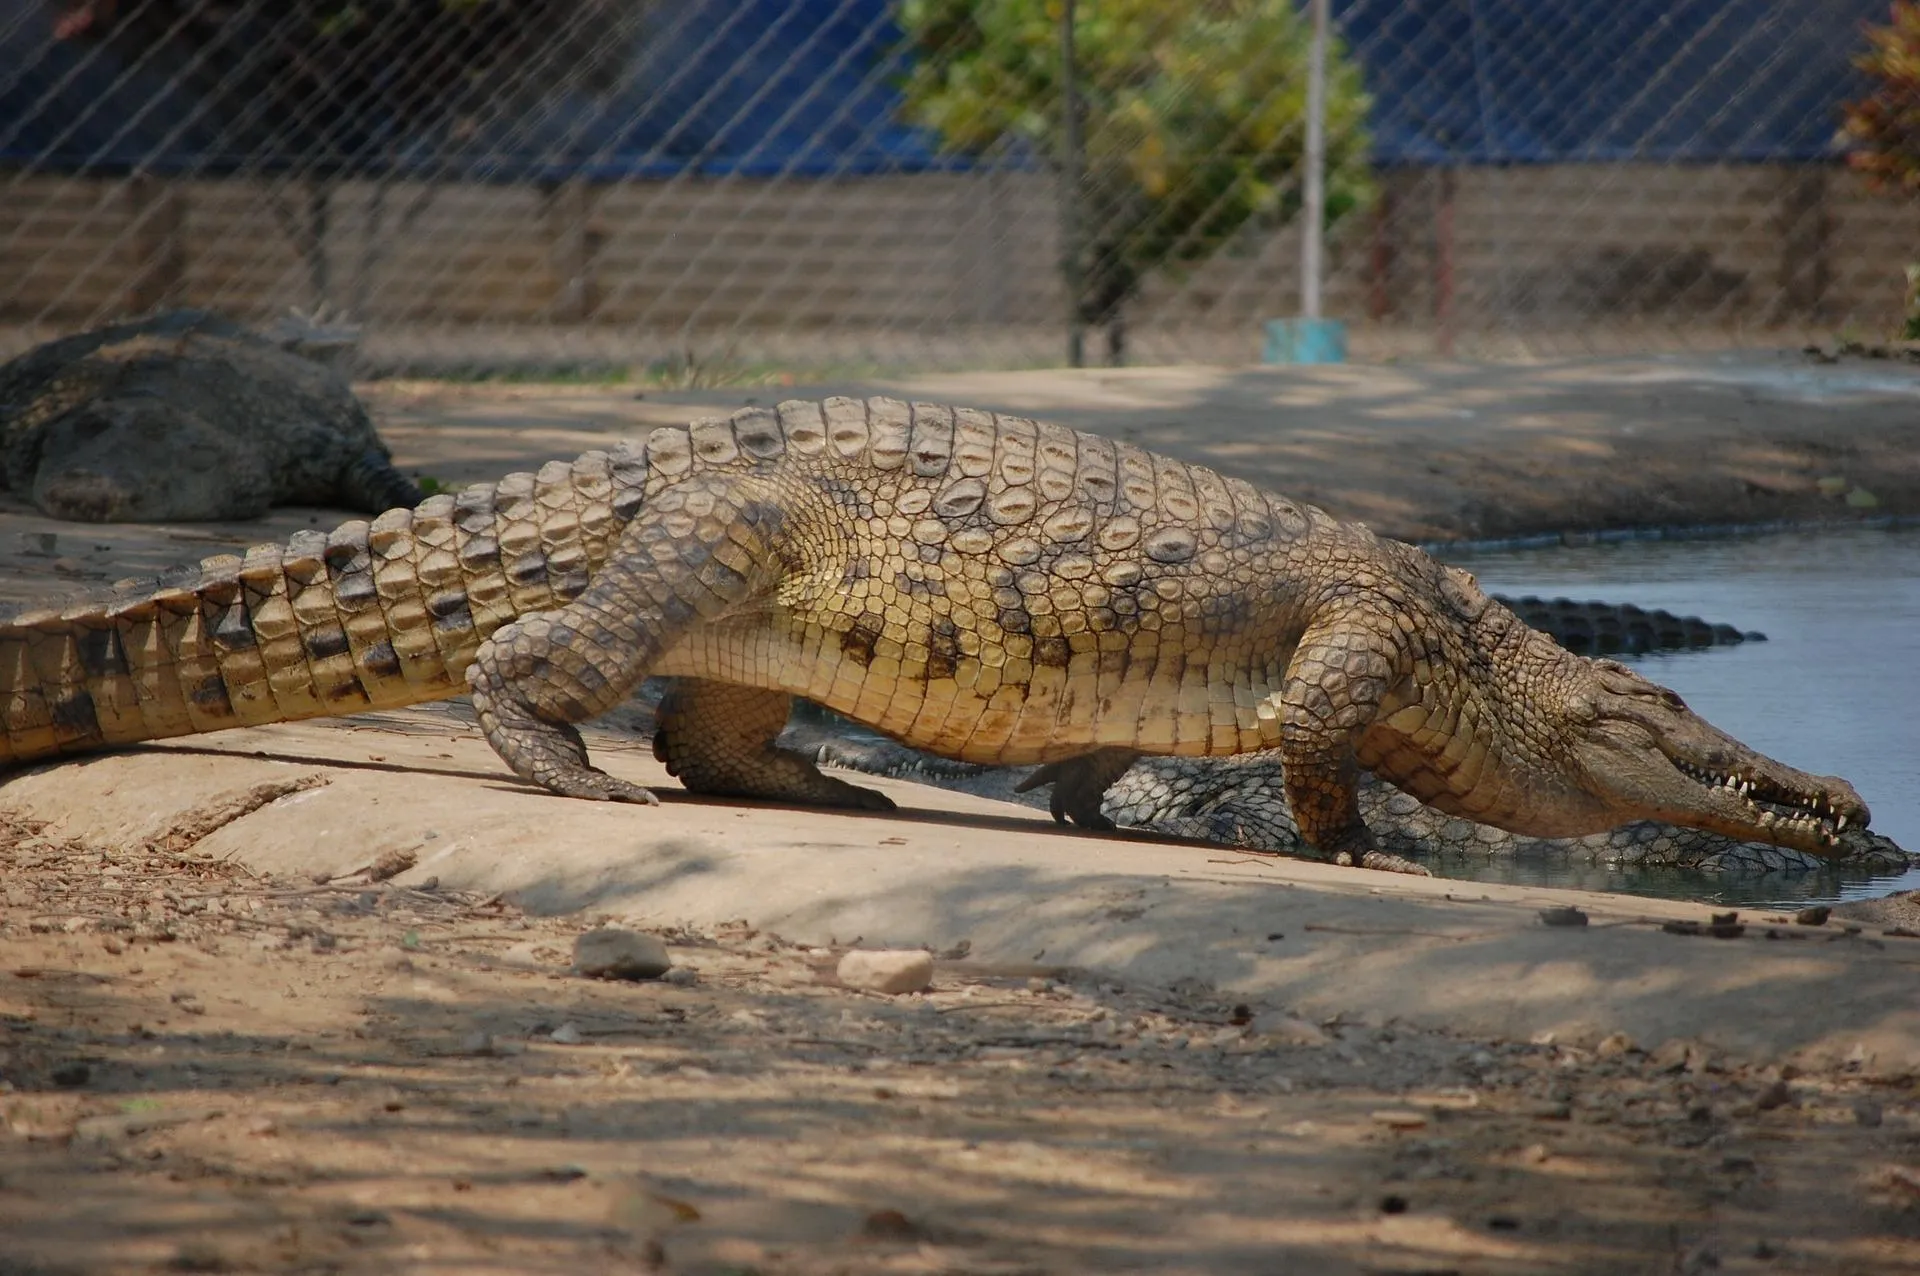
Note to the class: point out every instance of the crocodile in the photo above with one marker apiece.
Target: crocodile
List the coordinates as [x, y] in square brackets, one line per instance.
[984, 587]
[1596, 628]
[186, 416]
[1240, 801]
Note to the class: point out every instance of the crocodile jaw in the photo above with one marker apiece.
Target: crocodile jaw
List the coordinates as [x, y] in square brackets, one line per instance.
[1648, 756]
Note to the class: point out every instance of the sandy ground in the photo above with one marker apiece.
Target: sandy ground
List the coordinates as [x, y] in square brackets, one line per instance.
[225, 1046]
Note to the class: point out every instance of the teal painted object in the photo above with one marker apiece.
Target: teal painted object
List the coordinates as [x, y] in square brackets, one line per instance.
[1305, 341]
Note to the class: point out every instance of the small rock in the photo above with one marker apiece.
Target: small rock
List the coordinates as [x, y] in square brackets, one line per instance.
[1831, 485]
[1567, 916]
[1868, 1112]
[1813, 916]
[263, 1127]
[1679, 1053]
[567, 1034]
[889, 1225]
[887, 970]
[680, 976]
[619, 954]
[197, 1256]
[391, 864]
[1777, 1095]
[1857, 498]
[1535, 1154]
[71, 1075]
[1614, 1045]
[479, 1043]
[1399, 1118]
[1290, 1030]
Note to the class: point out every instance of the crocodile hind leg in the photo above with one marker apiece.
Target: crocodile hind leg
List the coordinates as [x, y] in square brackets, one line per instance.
[696, 551]
[717, 737]
[1079, 784]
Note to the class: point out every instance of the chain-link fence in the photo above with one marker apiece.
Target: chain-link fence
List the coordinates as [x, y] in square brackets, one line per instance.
[728, 188]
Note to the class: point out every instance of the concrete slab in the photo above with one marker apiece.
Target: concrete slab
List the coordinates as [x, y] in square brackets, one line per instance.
[1320, 940]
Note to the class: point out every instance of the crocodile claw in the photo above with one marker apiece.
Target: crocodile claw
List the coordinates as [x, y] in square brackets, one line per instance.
[1079, 783]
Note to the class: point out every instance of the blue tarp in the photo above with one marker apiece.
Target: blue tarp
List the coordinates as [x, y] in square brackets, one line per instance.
[768, 87]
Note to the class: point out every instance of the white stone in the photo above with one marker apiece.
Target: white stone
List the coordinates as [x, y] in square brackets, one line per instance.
[887, 970]
[1289, 1030]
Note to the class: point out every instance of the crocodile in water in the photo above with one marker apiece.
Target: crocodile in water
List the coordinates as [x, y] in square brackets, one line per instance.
[1240, 801]
[982, 587]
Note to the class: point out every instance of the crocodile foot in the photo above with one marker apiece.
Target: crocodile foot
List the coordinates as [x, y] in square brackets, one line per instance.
[1079, 784]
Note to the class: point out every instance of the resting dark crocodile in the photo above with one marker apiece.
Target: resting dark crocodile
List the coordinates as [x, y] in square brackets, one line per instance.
[1240, 801]
[185, 416]
[983, 587]
[1596, 628]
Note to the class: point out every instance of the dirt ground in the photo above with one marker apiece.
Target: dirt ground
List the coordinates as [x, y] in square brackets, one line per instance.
[205, 1070]
[204, 1067]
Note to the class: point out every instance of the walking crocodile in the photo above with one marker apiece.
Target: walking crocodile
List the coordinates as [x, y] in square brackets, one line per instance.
[983, 587]
[188, 416]
[1240, 801]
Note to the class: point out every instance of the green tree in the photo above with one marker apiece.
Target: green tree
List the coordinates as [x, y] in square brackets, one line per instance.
[1883, 128]
[1192, 119]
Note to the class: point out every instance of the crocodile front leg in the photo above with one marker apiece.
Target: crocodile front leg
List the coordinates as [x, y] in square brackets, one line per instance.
[1334, 687]
[717, 737]
[695, 551]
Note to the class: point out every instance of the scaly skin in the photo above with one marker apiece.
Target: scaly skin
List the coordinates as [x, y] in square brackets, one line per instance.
[185, 416]
[1240, 801]
[984, 588]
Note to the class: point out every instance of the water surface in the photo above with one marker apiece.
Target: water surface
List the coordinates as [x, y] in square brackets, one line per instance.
[1834, 690]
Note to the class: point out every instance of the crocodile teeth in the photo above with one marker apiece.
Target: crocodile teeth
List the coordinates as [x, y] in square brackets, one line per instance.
[1841, 827]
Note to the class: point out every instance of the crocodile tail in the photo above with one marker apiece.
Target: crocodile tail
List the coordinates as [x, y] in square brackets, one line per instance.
[372, 615]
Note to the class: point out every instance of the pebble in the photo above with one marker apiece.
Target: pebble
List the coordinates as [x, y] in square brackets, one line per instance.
[680, 976]
[619, 954]
[1777, 1095]
[1290, 1030]
[1613, 1045]
[887, 970]
[486, 1045]
[1399, 1118]
[567, 1034]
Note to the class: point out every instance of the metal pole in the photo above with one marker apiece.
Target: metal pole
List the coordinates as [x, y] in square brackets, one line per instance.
[1070, 183]
[1316, 164]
